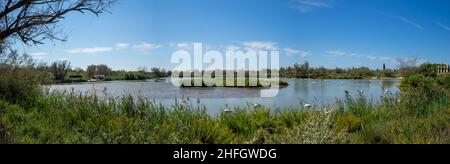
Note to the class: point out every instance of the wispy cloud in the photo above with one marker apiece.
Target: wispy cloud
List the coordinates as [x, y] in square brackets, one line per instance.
[445, 27]
[147, 46]
[39, 55]
[402, 19]
[306, 6]
[385, 58]
[184, 45]
[117, 47]
[340, 53]
[414, 24]
[122, 46]
[294, 52]
[260, 45]
[336, 53]
[93, 50]
[233, 48]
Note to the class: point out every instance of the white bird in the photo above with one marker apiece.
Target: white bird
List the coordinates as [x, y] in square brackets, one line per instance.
[227, 110]
[308, 105]
[257, 105]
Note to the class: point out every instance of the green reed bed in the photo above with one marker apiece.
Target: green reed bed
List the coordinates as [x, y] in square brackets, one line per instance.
[410, 117]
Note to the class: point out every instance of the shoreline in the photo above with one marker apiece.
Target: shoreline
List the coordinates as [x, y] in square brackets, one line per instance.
[146, 80]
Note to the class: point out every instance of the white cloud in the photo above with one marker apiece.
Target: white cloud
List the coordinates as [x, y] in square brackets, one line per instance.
[306, 6]
[294, 52]
[122, 46]
[402, 19]
[414, 24]
[258, 45]
[93, 50]
[147, 46]
[336, 53]
[339, 53]
[39, 55]
[445, 27]
[371, 57]
[233, 48]
[184, 45]
[187, 45]
[118, 46]
[385, 58]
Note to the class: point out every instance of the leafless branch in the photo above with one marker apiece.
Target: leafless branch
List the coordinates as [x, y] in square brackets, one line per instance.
[33, 21]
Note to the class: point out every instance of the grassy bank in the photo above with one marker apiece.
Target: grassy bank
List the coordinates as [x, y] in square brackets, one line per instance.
[419, 116]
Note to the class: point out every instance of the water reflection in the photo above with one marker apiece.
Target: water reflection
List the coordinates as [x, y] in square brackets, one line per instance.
[317, 92]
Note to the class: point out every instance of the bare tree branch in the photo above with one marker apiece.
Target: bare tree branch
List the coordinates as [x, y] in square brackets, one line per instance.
[32, 21]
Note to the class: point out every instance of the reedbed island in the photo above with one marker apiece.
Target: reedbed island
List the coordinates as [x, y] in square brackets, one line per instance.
[235, 83]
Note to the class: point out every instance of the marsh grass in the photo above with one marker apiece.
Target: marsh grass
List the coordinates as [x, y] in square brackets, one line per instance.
[419, 116]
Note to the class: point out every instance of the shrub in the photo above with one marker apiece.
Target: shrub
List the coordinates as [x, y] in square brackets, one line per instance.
[444, 81]
[19, 79]
[415, 80]
[318, 129]
[349, 122]
[10, 116]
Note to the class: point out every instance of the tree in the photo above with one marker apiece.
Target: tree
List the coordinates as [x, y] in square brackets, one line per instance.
[408, 66]
[32, 21]
[388, 73]
[304, 70]
[158, 72]
[142, 69]
[91, 71]
[20, 79]
[79, 70]
[59, 69]
[102, 69]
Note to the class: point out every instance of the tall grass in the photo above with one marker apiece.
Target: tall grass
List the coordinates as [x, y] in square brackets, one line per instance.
[409, 117]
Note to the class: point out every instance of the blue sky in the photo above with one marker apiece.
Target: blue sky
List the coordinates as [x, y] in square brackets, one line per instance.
[330, 33]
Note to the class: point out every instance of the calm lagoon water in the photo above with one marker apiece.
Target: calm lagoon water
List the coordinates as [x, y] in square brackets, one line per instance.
[316, 92]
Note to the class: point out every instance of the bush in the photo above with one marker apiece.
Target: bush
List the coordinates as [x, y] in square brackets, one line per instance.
[317, 129]
[415, 80]
[10, 116]
[349, 122]
[19, 79]
[444, 81]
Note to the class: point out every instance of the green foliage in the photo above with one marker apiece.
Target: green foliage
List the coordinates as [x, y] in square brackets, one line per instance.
[19, 79]
[413, 80]
[304, 71]
[59, 69]
[408, 117]
[444, 81]
[419, 114]
[317, 129]
[96, 70]
[123, 75]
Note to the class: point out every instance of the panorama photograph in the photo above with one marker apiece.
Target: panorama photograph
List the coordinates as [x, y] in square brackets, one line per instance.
[224, 72]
